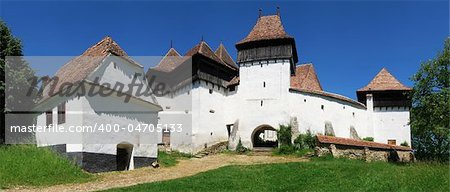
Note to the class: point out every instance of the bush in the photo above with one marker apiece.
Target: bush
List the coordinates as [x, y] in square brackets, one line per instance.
[310, 140]
[405, 144]
[305, 141]
[240, 148]
[284, 135]
[368, 139]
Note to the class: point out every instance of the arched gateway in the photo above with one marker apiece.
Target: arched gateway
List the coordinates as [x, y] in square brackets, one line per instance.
[264, 136]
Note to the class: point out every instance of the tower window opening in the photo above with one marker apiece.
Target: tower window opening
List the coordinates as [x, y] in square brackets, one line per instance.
[210, 91]
[264, 84]
[322, 107]
[261, 103]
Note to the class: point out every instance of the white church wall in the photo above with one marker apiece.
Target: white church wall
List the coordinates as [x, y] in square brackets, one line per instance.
[341, 114]
[392, 123]
[99, 111]
[208, 115]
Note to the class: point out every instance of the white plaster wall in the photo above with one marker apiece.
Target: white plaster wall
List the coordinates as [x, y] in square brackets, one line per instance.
[392, 123]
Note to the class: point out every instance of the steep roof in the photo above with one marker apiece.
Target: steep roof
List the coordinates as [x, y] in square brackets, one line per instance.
[266, 28]
[79, 68]
[306, 78]
[384, 81]
[204, 49]
[222, 53]
[171, 60]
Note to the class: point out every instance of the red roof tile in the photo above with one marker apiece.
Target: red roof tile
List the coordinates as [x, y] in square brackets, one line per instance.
[358, 143]
[306, 78]
[204, 49]
[79, 68]
[222, 53]
[384, 81]
[266, 28]
[170, 61]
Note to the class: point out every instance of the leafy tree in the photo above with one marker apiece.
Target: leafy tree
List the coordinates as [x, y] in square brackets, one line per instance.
[18, 74]
[430, 119]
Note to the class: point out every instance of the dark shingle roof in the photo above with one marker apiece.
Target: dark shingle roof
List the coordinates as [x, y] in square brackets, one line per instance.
[384, 81]
[306, 78]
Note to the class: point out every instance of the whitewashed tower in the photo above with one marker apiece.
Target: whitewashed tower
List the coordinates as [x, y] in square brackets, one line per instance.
[266, 59]
[388, 107]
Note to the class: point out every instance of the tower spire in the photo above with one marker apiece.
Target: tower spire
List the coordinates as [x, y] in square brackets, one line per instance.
[278, 11]
[260, 12]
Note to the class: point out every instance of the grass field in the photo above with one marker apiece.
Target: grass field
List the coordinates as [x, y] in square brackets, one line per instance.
[32, 166]
[317, 175]
[166, 159]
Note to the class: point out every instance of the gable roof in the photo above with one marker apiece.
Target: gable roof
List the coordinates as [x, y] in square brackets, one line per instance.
[266, 28]
[171, 60]
[205, 50]
[80, 67]
[384, 81]
[223, 55]
[306, 78]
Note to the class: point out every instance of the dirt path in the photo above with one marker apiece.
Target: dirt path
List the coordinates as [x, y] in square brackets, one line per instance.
[147, 175]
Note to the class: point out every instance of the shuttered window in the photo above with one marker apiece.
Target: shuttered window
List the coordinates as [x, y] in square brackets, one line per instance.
[62, 113]
[48, 118]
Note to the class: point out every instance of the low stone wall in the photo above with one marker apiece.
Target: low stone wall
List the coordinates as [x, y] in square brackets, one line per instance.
[367, 151]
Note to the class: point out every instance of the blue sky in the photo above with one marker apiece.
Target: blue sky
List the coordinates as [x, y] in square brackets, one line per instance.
[347, 41]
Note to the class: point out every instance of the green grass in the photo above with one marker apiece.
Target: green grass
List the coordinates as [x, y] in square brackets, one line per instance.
[317, 175]
[28, 165]
[168, 159]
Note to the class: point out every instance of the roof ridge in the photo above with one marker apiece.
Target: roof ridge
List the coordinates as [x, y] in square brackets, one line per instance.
[383, 81]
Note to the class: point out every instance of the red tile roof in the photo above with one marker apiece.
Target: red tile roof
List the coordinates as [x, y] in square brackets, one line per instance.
[266, 28]
[170, 61]
[306, 78]
[358, 143]
[222, 53]
[384, 81]
[79, 68]
[204, 49]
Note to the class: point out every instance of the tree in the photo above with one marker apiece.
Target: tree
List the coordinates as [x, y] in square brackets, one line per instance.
[18, 74]
[430, 108]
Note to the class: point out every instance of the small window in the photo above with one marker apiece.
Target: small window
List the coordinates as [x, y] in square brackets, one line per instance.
[261, 64]
[264, 84]
[304, 100]
[262, 103]
[48, 118]
[62, 113]
[166, 137]
[343, 107]
[114, 64]
[322, 107]
[210, 91]
[233, 88]
[392, 142]
[188, 92]
[353, 114]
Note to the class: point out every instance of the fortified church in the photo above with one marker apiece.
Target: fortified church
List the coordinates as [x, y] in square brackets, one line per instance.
[225, 101]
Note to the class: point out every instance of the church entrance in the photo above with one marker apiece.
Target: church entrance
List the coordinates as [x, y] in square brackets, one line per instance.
[264, 136]
[123, 156]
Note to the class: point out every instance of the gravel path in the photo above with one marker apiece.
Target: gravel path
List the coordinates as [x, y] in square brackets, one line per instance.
[147, 175]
